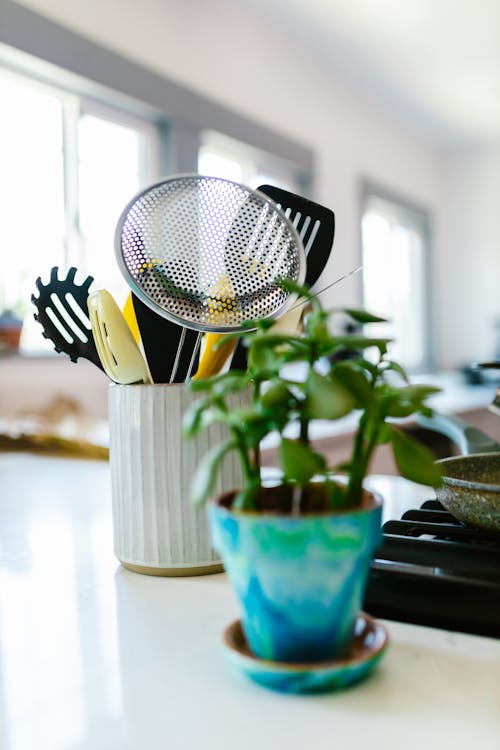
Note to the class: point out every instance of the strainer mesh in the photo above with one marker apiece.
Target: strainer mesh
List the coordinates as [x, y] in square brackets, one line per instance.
[208, 253]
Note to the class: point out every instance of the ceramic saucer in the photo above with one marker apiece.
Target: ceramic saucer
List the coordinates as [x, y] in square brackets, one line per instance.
[369, 643]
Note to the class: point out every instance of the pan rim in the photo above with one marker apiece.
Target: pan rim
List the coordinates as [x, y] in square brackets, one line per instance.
[467, 483]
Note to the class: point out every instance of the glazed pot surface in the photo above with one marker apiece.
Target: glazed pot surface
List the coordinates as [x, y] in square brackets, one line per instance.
[300, 580]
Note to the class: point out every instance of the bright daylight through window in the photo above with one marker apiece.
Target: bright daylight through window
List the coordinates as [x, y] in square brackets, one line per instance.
[220, 156]
[68, 169]
[394, 248]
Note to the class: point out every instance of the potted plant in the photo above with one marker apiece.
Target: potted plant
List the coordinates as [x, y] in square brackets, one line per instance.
[298, 552]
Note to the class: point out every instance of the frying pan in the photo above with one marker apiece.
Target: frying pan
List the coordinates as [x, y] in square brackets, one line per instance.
[470, 489]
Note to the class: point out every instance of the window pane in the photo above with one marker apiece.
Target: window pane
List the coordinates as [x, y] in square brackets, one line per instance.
[215, 165]
[109, 175]
[393, 279]
[221, 156]
[31, 196]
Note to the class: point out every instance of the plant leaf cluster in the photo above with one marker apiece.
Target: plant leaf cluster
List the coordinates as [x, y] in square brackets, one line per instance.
[331, 388]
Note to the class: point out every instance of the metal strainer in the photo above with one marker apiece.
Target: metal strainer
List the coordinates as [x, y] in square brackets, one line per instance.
[208, 253]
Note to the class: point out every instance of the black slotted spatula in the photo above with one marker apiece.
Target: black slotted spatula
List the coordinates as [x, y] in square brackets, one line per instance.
[315, 225]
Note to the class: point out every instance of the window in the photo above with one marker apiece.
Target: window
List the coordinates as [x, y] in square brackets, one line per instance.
[395, 239]
[68, 168]
[221, 156]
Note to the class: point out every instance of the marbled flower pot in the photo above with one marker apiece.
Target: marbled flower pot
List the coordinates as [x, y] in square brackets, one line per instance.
[300, 580]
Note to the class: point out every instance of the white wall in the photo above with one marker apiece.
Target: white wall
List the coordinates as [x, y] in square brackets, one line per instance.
[468, 257]
[222, 50]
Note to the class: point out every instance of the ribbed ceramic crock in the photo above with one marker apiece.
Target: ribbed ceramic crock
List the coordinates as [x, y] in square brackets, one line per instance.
[300, 580]
[156, 529]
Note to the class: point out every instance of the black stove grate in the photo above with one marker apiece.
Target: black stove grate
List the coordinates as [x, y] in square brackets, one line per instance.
[432, 570]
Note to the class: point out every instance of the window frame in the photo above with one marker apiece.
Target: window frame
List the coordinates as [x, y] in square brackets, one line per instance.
[52, 52]
[36, 47]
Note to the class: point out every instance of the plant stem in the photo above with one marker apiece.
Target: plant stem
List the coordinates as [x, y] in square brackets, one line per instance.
[356, 467]
[304, 431]
[249, 472]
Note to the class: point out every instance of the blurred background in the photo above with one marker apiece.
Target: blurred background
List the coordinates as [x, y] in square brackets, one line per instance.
[386, 112]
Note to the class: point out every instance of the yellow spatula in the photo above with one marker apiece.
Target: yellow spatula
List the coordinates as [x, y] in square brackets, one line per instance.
[213, 359]
[129, 315]
[120, 356]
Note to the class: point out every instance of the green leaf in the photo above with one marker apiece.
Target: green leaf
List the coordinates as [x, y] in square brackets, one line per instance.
[357, 343]
[418, 393]
[397, 410]
[355, 381]
[362, 316]
[298, 461]
[384, 434]
[414, 460]
[277, 394]
[369, 367]
[390, 365]
[205, 475]
[299, 290]
[402, 402]
[316, 328]
[326, 397]
[228, 382]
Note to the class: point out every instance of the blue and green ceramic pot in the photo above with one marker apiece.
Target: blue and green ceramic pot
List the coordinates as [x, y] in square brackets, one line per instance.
[300, 580]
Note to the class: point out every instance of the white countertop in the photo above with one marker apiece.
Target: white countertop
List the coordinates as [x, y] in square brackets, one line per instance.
[95, 657]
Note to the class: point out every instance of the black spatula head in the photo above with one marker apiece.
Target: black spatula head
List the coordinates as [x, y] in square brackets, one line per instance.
[314, 223]
[169, 348]
[62, 312]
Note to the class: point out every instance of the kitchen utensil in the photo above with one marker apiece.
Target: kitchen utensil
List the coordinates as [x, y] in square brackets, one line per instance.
[239, 361]
[173, 249]
[468, 439]
[316, 227]
[171, 350]
[314, 223]
[120, 356]
[212, 357]
[471, 483]
[130, 317]
[62, 311]
[161, 342]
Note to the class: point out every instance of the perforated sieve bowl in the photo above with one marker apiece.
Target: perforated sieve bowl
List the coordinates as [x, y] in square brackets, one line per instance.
[208, 253]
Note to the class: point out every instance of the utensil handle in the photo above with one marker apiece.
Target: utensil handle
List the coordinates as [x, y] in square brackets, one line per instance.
[467, 438]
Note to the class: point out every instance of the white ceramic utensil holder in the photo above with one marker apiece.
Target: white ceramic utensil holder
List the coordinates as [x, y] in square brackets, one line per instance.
[156, 529]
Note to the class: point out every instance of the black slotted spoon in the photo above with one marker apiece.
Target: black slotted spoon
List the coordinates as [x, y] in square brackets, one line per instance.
[63, 314]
